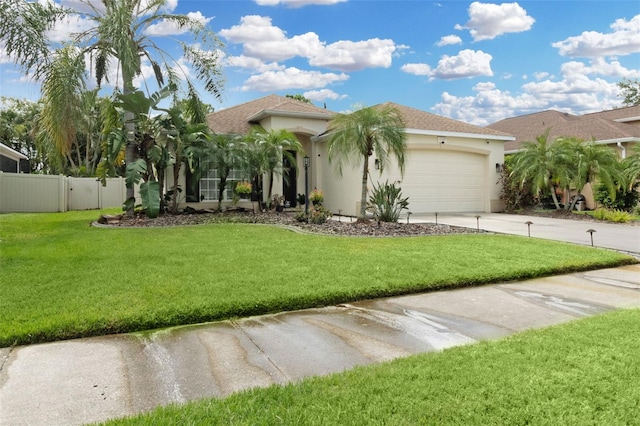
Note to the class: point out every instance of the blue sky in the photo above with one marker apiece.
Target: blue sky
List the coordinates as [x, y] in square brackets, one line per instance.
[478, 62]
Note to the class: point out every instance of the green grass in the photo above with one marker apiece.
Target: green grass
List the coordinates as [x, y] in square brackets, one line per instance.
[580, 373]
[61, 278]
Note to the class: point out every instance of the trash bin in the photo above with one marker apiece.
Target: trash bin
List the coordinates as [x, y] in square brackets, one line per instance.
[580, 206]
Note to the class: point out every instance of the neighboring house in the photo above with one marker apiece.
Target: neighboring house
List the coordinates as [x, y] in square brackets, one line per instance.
[450, 166]
[11, 161]
[618, 128]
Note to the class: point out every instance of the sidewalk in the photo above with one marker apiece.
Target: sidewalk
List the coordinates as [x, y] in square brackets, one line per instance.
[621, 237]
[95, 379]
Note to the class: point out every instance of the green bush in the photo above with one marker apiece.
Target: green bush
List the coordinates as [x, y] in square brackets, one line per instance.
[514, 196]
[319, 214]
[386, 202]
[619, 216]
[625, 200]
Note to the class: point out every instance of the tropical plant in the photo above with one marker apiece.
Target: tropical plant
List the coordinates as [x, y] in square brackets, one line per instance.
[515, 195]
[243, 188]
[355, 137]
[270, 148]
[593, 162]
[18, 130]
[224, 154]
[542, 166]
[318, 214]
[626, 199]
[631, 168]
[122, 33]
[386, 202]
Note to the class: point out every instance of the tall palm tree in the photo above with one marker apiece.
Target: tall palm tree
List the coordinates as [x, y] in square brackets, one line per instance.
[542, 165]
[272, 147]
[121, 33]
[357, 136]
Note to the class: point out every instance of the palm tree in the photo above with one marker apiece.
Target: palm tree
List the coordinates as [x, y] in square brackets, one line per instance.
[631, 167]
[225, 153]
[121, 34]
[272, 147]
[542, 166]
[595, 162]
[357, 136]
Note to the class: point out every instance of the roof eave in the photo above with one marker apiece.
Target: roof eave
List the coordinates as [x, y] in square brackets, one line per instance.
[505, 138]
[11, 153]
[260, 115]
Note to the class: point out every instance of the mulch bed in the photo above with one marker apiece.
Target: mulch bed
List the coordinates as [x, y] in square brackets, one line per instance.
[345, 226]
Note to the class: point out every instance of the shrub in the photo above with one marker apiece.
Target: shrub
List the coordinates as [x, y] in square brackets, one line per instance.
[513, 196]
[600, 214]
[316, 196]
[386, 202]
[619, 216]
[626, 199]
[319, 215]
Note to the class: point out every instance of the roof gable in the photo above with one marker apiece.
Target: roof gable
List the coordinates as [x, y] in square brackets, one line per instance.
[598, 126]
[240, 118]
[421, 120]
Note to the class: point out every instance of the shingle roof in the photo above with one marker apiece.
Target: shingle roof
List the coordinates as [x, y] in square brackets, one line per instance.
[421, 120]
[599, 126]
[236, 120]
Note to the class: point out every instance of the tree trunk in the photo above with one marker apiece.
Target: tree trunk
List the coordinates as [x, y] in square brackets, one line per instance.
[554, 197]
[176, 175]
[362, 216]
[130, 130]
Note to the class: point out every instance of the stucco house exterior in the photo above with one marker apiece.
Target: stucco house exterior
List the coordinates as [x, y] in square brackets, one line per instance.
[10, 160]
[617, 128]
[450, 166]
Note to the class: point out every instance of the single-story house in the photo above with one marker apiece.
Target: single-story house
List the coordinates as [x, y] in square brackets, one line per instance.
[11, 161]
[618, 128]
[450, 166]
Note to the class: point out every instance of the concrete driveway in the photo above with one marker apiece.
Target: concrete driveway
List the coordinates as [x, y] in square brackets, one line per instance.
[92, 380]
[621, 237]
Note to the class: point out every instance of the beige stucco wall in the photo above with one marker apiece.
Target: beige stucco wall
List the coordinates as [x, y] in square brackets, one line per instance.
[343, 193]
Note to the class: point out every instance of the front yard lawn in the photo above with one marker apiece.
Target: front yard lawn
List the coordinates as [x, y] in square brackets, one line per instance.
[61, 278]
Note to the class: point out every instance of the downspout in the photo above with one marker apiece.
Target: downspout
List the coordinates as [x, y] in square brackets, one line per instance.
[623, 154]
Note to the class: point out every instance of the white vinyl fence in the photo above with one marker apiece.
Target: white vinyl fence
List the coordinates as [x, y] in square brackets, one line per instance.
[45, 193]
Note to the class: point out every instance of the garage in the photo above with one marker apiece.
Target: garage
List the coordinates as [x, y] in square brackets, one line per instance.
[445, 181]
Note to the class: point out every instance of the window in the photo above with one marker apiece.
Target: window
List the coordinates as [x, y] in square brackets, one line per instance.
[210, 184]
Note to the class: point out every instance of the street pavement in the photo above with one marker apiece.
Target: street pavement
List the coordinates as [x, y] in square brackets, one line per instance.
[95, 379]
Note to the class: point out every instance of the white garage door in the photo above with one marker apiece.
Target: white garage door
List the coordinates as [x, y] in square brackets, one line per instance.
[444, 181]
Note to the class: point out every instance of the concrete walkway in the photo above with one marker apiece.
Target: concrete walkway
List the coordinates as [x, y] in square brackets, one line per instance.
[91, 380]
[621, 237]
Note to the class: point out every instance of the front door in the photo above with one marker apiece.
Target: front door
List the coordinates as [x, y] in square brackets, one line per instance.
[290, 189]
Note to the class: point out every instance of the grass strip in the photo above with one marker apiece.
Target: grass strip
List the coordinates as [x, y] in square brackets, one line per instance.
[61, 278]
[580, 373]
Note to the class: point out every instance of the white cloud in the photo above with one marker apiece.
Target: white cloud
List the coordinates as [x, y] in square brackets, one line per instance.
[416, 69]
[540, 75]
[296, 3]
[254, 64]
[600, 66]
[488, 21]
[449, 40]
[355, 55]
[167, 28]
[65, 29]
[467, 63]
[253, 28]
[624, 40]
[576, 94]
[262, 40]
[323, 95]
[290, 78]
